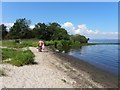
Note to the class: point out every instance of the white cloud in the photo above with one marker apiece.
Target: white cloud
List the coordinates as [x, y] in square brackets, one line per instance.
[32, 26]
[68, 26]
[9, 25]
[84, 30]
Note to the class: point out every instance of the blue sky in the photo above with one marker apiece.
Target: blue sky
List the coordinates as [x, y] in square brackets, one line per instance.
[97, 19]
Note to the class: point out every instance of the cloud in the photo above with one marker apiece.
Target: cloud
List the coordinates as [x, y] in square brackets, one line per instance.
[32, 26]
[84, 30]
[68, 26]
[9, 25]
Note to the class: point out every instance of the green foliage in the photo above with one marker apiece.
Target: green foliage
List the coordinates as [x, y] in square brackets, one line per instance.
[80, 38]
[7, 53]
[53, 31]
[48, 43]
[18, 57]
[3, 31]
[22, 43]
[40, 31]
[23, 58]
[20, 29]
[62, 45]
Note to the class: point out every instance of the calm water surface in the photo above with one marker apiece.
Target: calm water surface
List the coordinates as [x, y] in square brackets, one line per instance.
[102, 56]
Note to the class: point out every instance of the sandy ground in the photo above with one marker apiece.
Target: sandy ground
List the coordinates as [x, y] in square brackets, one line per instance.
[48, 72]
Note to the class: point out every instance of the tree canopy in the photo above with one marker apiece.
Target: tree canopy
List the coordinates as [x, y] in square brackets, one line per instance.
[20, 29]
[3, 31]
[80, 38]
[52, 31]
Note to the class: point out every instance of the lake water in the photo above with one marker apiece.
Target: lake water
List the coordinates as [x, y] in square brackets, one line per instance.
[102, 56]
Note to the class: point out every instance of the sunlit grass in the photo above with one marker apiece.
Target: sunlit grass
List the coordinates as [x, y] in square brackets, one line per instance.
[21, 44]
[17, 57]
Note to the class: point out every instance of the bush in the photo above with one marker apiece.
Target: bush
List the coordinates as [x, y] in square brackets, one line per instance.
[23, 58]
[18, 58]
[48, 43]
[7, 53]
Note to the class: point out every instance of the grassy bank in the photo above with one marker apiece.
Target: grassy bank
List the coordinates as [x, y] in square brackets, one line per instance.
[20, 43]
[65, 45]
[17, 57]
[61, 45]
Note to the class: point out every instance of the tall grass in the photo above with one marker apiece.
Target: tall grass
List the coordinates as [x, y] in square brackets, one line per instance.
[17, 57]
[21, 44]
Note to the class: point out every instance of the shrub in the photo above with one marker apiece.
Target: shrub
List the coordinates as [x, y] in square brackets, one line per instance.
[7, 53]
[18, 58]
[23, 58]
[48, 43]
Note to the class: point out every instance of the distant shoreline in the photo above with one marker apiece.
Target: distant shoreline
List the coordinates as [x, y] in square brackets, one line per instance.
[103, 43]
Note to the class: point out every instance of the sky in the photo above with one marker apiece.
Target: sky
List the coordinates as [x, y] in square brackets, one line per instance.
[96, 20]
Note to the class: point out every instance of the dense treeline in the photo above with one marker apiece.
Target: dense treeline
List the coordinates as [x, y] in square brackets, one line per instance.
[52, 31]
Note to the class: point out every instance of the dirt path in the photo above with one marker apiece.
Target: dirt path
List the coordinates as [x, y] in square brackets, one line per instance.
[43, 74]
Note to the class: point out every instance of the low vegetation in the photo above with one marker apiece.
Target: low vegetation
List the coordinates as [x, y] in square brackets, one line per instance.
[17, 57]
[64, 45]
[17, 43]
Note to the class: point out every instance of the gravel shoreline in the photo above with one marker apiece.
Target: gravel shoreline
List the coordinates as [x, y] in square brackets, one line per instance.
[54, 70]
[105, 79]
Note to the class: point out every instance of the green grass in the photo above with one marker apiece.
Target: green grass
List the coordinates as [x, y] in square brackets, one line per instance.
[24, 43]
[64, 45]
[18, 57]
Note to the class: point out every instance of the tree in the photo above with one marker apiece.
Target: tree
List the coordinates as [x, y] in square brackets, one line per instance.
[60, 34]
[54, 24]
[80, 38]
[52, 31]
[40, 31]
[20, 29]
[3, 31]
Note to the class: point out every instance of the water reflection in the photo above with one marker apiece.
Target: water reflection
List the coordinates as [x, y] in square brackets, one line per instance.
[102, 56]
